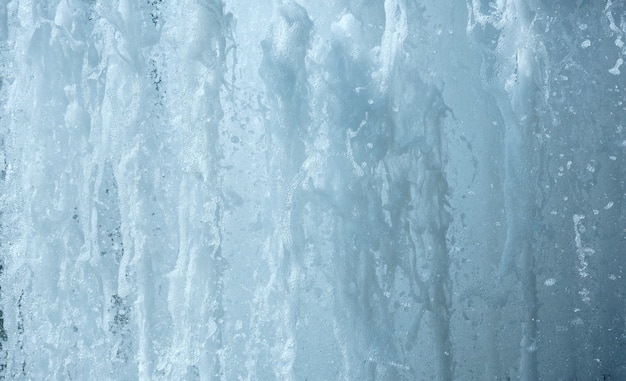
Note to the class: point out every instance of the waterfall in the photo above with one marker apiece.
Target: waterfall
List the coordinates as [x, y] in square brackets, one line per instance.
[304, 190]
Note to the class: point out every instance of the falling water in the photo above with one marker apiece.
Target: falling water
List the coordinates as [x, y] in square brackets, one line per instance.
[305, 190]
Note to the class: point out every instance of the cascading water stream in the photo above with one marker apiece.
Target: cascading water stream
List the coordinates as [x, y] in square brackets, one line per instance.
[375, 190]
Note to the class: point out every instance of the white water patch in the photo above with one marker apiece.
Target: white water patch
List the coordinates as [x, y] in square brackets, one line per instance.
[393, 37]
[582, 252]
[550, 282]
[615, 69]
